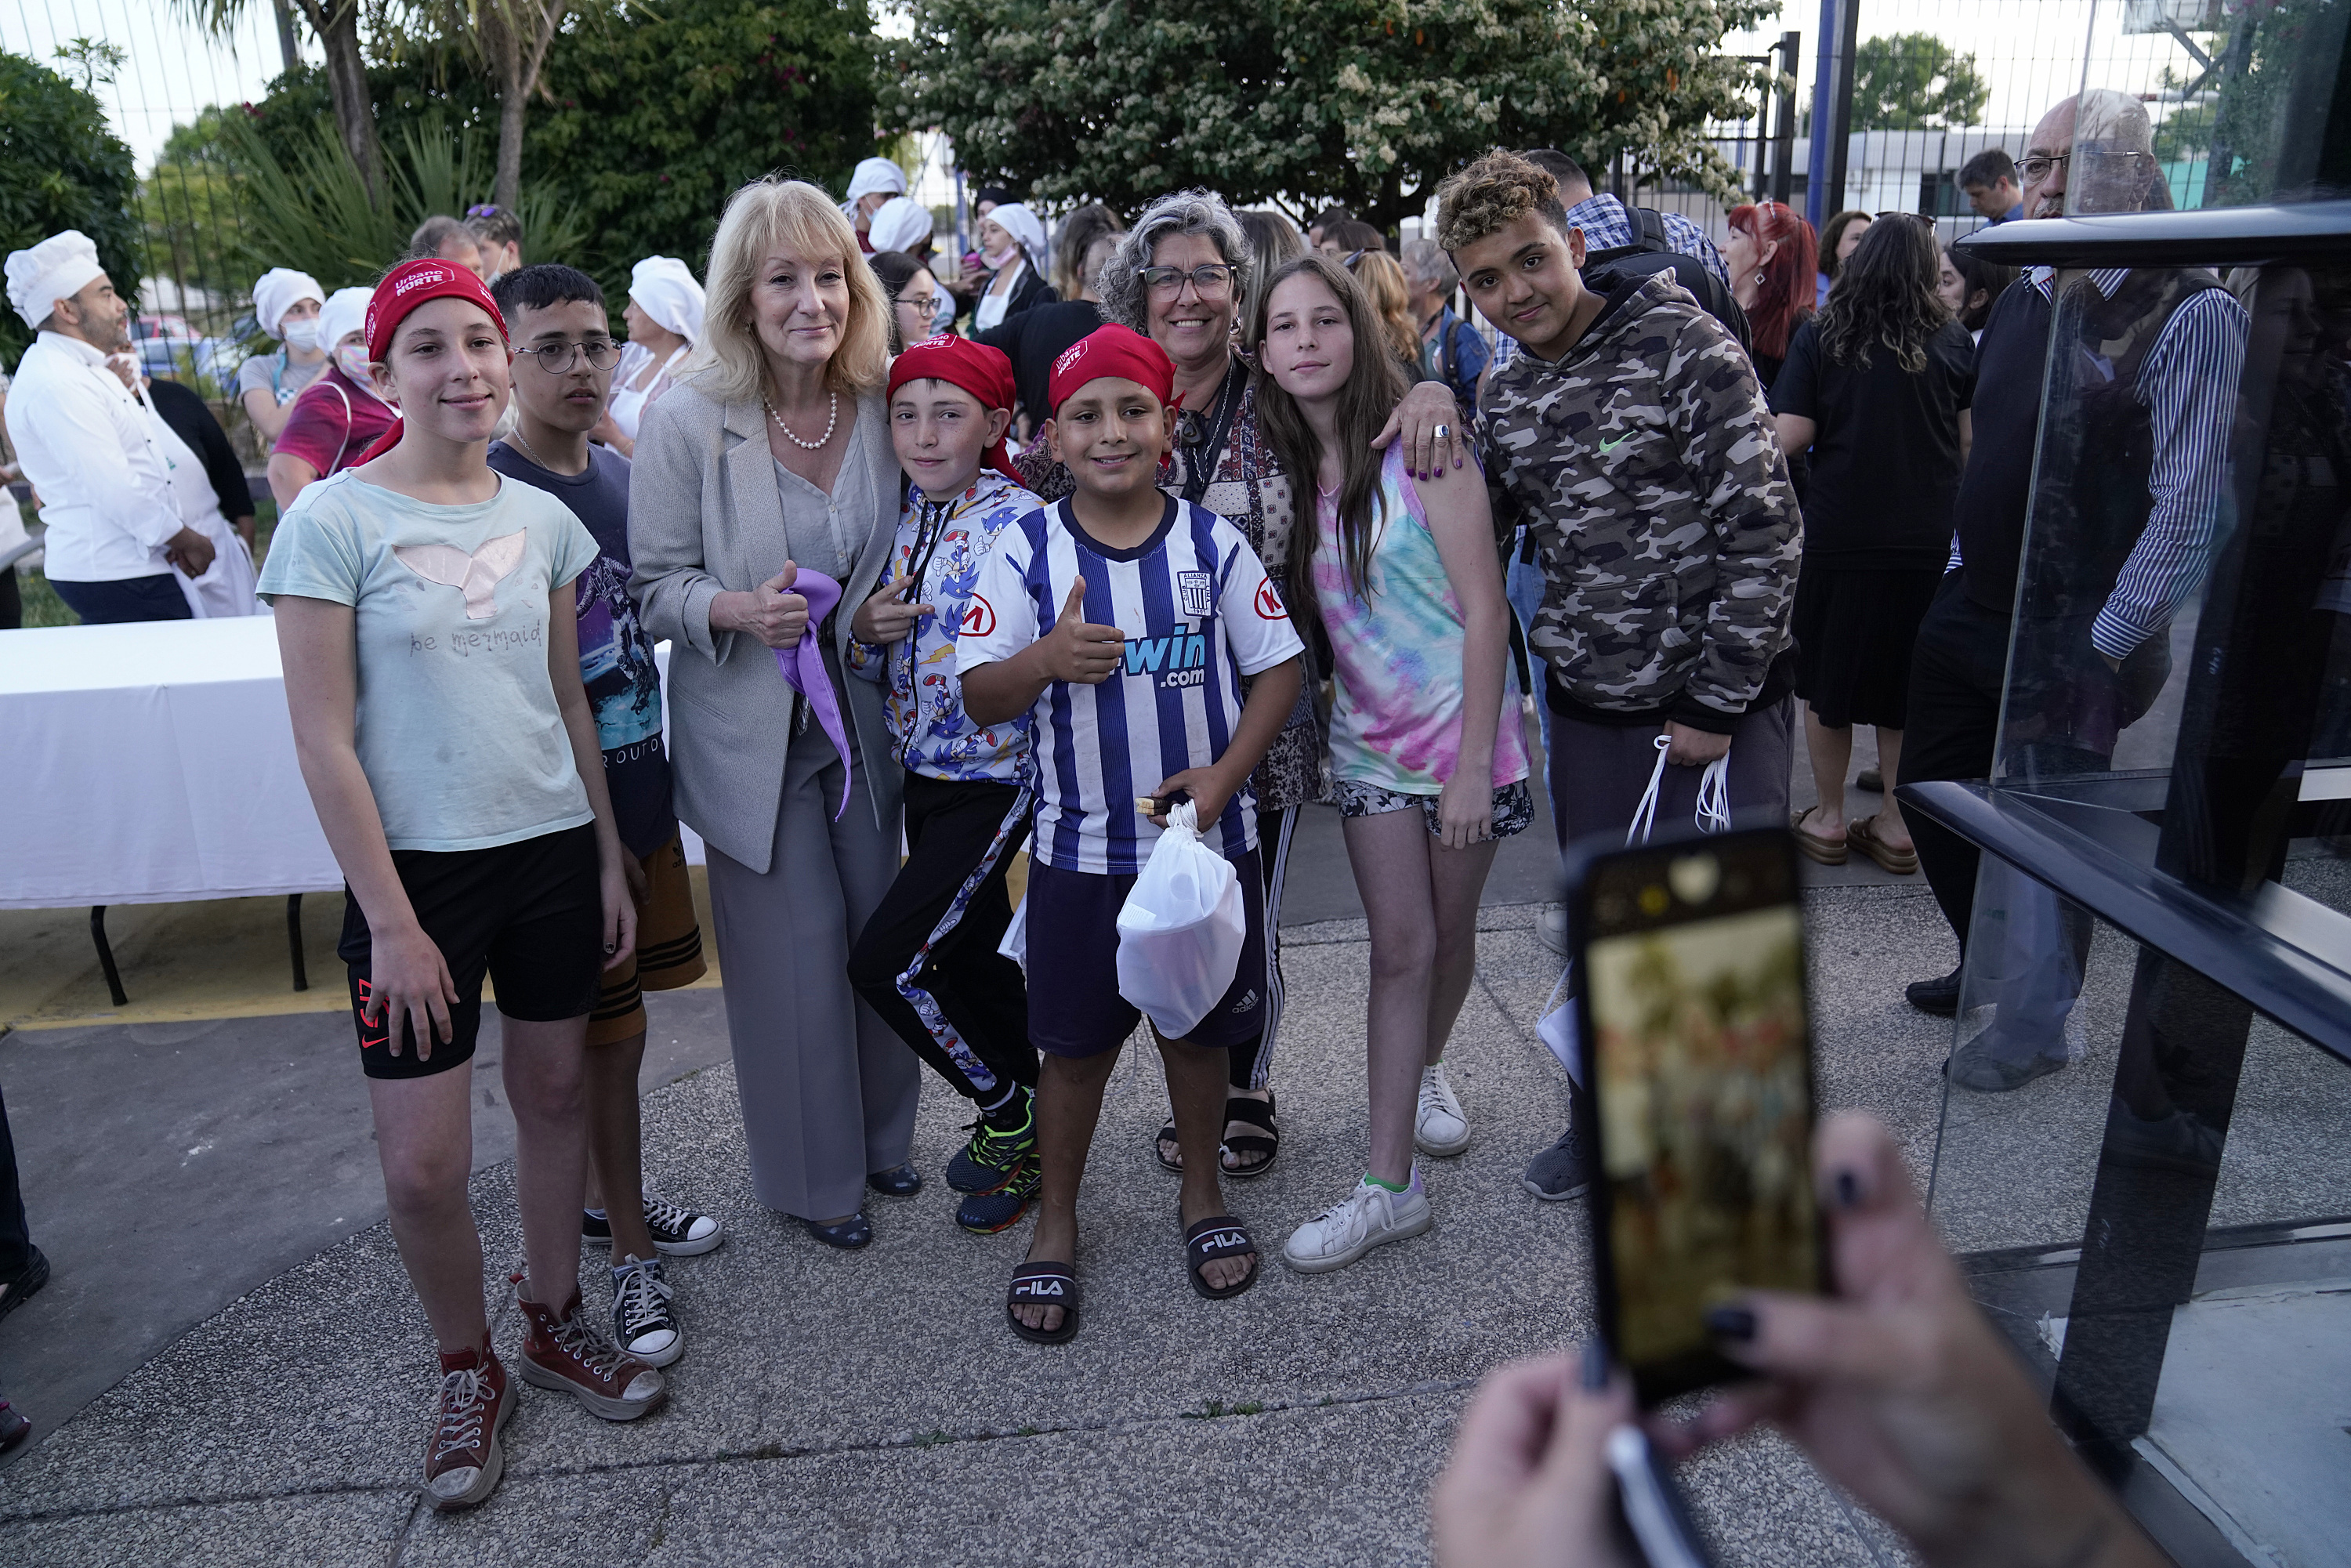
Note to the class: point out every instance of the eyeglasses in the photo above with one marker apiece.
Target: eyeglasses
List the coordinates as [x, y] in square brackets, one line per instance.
[487, 210]
[1352, 256]
[925, 304]
[1207, 281]
[2037, 167]
[559, 359]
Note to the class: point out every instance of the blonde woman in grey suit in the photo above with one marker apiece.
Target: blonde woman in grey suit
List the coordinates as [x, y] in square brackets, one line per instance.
[771, 457]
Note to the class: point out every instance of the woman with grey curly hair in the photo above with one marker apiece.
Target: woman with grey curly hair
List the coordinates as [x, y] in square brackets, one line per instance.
[1180, 278]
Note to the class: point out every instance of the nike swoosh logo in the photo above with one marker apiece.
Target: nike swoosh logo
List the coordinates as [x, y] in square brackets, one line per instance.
[1608, 446]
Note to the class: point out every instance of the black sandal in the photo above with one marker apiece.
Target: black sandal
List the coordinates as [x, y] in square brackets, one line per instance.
[1167, 1135]
[1043, 1285]
[1219, 1236]
[1266, 1142]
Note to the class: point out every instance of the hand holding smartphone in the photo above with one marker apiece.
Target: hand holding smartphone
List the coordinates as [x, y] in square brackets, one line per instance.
[1692, 1007]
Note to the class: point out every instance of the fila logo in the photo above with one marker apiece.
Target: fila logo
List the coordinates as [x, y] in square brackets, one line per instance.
[1269, 606]
[1231, 1239]
[1039, 1287]
[978, 619]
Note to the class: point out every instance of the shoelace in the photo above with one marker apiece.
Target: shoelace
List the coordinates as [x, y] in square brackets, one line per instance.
[664, 1216]
[1433, 1094]
[578, 1339]
[1353, 1210]
[643, 1297]
[464, 1402]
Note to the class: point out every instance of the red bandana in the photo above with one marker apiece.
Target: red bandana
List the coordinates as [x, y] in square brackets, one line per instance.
[404, 289]
[1112, 350]
[978, 369]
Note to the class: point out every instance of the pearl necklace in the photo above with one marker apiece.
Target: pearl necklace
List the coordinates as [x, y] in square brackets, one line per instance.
[819, 444]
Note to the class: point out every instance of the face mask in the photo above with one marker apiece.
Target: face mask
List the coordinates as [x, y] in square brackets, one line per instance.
[302, 334]
[354, 363]
[996, 258]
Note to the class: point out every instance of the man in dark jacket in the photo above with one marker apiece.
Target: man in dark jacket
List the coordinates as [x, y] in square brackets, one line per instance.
[2132, 456]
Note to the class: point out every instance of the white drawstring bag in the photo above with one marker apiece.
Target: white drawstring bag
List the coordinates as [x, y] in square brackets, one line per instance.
[1556, 1027]
[1181, 929]
[1015, 945]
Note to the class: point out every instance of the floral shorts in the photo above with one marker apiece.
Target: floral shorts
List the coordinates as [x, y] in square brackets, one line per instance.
[1514, 804]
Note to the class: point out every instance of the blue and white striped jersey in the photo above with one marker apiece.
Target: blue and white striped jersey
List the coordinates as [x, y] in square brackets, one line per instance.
[1199, 613]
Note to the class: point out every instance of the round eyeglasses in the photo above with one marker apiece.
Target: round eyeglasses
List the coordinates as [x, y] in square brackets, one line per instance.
[559, 359]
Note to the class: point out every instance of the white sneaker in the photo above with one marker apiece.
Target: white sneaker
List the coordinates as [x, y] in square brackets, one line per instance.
[1550, 928]
[1355, 1225]
[1438, 1128]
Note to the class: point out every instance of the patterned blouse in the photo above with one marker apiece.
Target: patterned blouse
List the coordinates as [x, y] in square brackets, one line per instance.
[1249, 488]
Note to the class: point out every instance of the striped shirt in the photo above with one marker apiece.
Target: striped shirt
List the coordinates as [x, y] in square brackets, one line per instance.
[1199, 613]
[2189, 387]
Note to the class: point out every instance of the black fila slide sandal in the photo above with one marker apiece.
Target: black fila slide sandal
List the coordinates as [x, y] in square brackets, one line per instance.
[1043, 1285]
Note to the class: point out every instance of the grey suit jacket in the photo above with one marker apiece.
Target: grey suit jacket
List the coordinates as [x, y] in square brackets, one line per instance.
[705, 517]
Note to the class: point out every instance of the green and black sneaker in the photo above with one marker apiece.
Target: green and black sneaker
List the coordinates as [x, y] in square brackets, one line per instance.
[1000, 1140]
[985, 1213]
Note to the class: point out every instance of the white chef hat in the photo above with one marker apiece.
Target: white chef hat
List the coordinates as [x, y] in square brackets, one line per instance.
[665, 290]
[901, 224]
[1024, 226]
[877, 175]
[278, 290]
[345, 312]
[59, 268]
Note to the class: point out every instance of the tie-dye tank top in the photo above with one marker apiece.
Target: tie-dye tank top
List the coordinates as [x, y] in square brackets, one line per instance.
[1397, 720]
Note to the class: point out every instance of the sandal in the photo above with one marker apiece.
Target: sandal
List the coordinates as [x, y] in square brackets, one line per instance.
[1047, 1285]
[1158, 1150]
[1263, 1145]
[1816, 847]
[1218, 1236]
[1862, 835]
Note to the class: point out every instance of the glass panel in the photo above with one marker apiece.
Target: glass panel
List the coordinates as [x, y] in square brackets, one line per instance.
[2246, 99]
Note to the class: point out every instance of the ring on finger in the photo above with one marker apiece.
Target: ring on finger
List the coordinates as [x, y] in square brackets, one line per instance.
[1442, 433]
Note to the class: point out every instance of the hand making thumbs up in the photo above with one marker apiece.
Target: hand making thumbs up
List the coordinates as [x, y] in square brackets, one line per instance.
[1078, 651]
[772, 612]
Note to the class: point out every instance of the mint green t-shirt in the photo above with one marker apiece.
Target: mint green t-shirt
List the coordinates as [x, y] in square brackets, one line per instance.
[458, 728]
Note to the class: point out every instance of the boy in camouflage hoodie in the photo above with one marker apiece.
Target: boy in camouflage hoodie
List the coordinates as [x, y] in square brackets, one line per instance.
[1632, 440]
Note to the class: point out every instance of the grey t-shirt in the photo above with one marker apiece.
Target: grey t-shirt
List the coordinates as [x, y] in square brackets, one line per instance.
[276, 374]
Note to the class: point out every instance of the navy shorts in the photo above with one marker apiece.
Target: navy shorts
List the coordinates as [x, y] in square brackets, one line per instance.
[1074, 1008]
[529, 915]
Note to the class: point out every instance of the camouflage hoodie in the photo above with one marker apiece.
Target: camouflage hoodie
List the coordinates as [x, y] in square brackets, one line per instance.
[1644, 465]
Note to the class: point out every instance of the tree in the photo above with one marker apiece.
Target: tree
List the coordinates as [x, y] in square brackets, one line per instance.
[510, 38]
[1914, 81]
[1365, 103]
[336, 24]
[194, 205]
[61, 168]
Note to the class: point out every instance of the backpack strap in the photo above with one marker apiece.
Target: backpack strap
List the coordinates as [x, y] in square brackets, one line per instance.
[1653, 229]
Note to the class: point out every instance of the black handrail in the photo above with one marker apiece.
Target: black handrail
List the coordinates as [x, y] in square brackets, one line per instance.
[2208, 237]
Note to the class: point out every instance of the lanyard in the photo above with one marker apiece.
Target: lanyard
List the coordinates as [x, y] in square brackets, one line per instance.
[1200, 462]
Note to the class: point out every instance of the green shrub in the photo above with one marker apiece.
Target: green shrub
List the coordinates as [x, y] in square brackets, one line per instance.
[61, 168]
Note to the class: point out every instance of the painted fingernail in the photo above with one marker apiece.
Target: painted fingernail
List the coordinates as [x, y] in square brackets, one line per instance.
[1848, 1189]
[1594, 1372]
[1731, 1323]
[612, 947]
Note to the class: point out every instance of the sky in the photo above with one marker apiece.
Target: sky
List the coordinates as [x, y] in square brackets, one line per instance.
[2028, 51]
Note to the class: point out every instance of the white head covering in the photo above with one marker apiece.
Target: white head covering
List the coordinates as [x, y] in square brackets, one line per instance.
[59, 268]
[877, 175]
[901, 225]
[277, 291]
[665, 290]
[344, 312]
[1022, 224]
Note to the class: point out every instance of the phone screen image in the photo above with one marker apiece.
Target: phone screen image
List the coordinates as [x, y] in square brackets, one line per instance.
[1700, 1062]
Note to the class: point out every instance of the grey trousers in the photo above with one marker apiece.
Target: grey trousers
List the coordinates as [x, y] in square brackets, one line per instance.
[1598, 773]
[828, 1090]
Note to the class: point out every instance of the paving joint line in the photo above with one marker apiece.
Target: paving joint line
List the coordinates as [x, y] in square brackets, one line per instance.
[765, 1453]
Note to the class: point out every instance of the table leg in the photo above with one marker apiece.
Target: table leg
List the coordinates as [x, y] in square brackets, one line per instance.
[294, 941]
[105, 956]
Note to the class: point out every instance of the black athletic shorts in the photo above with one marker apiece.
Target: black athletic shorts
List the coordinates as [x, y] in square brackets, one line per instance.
[1075, 1006]
[530, 914]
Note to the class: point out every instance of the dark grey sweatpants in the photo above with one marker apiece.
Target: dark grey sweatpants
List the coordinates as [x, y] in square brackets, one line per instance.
[1599, 772]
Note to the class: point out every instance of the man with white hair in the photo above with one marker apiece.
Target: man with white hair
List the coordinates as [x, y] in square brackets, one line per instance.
[92, 448]
[2142, 392]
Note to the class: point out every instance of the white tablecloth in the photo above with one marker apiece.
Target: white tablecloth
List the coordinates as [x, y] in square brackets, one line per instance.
[153, 763]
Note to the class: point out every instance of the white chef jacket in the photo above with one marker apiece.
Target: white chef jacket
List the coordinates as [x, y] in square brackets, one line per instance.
[90, 450]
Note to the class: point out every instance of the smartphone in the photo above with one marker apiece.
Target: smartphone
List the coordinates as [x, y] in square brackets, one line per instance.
[1698, 1069]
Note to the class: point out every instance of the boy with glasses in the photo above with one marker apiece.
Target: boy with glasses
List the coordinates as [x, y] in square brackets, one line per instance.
[557, 315]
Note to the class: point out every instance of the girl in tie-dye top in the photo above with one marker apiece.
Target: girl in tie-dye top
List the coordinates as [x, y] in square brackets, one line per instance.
[1428, 752]
[927, 959]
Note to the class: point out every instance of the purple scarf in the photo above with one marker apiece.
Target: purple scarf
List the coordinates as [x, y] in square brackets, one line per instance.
[803, 667]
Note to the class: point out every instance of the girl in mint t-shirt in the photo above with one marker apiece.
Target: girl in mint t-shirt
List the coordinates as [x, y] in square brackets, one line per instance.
[425, 621]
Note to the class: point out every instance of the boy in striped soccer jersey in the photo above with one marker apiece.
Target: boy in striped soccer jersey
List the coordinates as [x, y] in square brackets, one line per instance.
[1159, 661]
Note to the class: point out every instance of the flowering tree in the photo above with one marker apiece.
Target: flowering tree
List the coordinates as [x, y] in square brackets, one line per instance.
[1364, 102]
